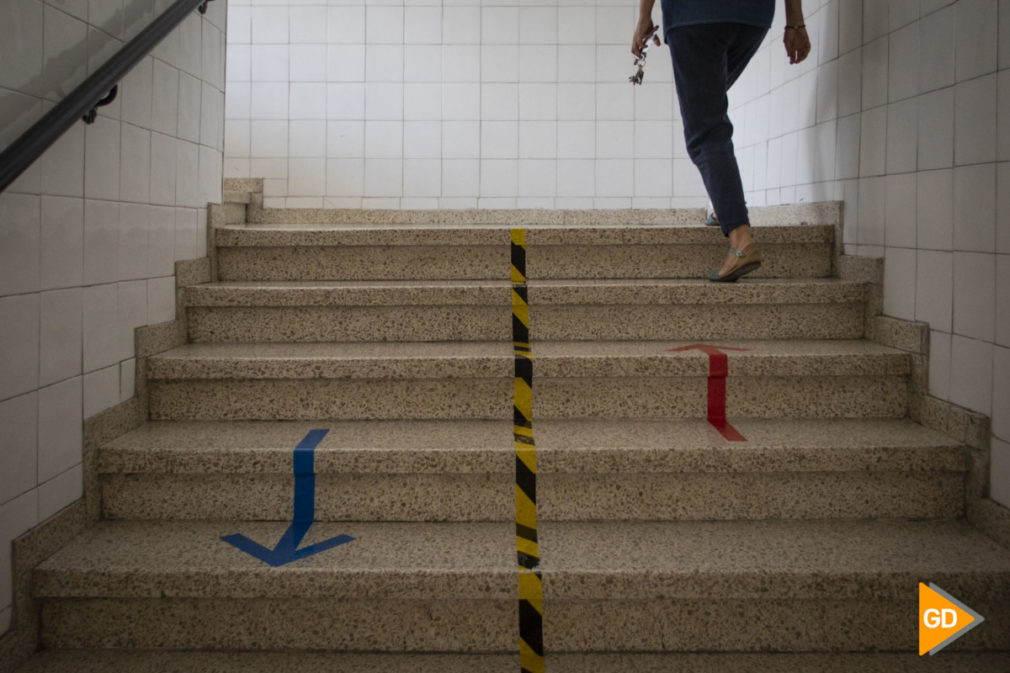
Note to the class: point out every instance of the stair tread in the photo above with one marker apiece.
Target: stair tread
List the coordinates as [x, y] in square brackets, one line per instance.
[461, 446]
[161, 661]
[483, 292]
[492, 359]
[882, 559]
[684, 231]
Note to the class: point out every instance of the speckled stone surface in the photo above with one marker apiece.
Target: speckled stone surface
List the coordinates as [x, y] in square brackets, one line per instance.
[822, 379]
[561, 496]
[357, 625]
[752, 585]
[580, 446]
[372, 262]
[560, 310]
[809, 358]
[243, 185]
[556, 292]
[782, 559]
[95, 661]
[588, 469]
[439, 235]
[803, 213]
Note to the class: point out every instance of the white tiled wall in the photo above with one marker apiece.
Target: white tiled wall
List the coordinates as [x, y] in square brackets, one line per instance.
[468, 103]
[90, 233]
[917, 98]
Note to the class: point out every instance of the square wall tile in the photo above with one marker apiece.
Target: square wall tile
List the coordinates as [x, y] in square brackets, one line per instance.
[306, 177]
[60, 492]
[61, 320]
[875, 71]
[936, 50]
[976, 33]
[383, 24]
[971, 373]
[100, 339]
[345, 177]
[903, 63]
[62, 242]
[975, 121]
[873, 142]
[344, 24]
[975, 208]
[899, 283]
[934, 286]
[460, 139]
[18, 441]
[460, 177]
[19, 344]
[901, 210]
[936, 129]
[422, 177]
[939, 364]
[20, 239]
[383, 177]
[60, 428]
[499, 178]
[872, 211]
[974, 294]
[63, 164]
[902, 136]
[160, 300]
[423, 140]
[935, 211]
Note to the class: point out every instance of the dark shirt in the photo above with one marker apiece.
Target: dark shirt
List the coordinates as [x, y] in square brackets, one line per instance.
[689, 12]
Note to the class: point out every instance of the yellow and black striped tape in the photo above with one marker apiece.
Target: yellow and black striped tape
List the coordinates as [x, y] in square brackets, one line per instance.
[531, 600]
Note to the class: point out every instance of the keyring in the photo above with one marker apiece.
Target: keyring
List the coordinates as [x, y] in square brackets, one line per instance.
[640, 61]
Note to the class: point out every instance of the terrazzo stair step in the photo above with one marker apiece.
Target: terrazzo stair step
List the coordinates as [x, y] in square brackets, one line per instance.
[587, 470]
[99, 661]
[787, 586]
[474, 380]
[357, 251]
[320, 311]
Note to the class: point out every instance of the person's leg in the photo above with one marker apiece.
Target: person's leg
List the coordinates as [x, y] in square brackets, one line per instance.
[700, 67]
[707, 59]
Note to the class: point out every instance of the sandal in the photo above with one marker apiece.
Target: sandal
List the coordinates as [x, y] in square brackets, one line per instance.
[750, 259]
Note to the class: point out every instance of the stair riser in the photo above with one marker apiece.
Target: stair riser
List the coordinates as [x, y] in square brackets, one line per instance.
[486, 398]
[557, 323]
[785, 260]
[489, 497]
[718, 625]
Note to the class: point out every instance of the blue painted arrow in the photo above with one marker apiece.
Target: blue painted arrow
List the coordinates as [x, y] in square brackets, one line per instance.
[287, 549]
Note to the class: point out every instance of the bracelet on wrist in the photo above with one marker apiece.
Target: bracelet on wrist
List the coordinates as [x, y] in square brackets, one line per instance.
[796, 26]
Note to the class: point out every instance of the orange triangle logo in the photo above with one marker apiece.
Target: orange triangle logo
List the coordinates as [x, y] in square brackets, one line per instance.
[942, 619]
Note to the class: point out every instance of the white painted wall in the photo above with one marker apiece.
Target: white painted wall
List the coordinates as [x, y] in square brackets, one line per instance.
[89, 235]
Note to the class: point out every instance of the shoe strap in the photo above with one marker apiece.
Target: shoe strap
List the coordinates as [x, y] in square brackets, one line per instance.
[736, 252]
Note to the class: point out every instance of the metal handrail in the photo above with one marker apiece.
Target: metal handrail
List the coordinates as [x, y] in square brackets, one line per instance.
[98, 89]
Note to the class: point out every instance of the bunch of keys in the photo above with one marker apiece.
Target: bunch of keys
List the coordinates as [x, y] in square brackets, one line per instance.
[640, 61]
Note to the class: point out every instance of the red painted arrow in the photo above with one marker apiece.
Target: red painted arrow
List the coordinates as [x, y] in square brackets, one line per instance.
[718, 368]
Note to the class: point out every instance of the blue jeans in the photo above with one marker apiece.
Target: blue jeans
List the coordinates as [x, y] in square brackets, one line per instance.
[707, 59]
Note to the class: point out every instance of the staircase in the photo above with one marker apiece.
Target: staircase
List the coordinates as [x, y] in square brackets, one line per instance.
[664, 545]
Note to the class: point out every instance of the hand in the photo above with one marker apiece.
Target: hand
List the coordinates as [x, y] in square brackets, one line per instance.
[797, 44]
[643, 31]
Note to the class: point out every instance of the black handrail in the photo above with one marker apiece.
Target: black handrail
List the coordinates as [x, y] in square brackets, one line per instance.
[89, 94]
